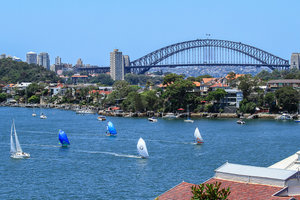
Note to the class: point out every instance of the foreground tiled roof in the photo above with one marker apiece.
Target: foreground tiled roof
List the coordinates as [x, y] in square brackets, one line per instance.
[181, 191]
[239, 191]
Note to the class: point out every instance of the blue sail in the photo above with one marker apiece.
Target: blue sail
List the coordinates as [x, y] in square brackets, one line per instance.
[62, 136]
[111, 129]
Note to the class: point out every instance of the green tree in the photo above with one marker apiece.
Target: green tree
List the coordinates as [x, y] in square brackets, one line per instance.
[247, 107]
[171, 78]
[210, 192]
[178, 94]
[3, 97]
[13, 72]
[247, 85]
[34, 99]
[133, 102]
[151, 100]
[216, 95]
[287, 98]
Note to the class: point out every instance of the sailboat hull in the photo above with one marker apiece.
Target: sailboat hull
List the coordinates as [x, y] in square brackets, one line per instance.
[20, 155]
[189, 120]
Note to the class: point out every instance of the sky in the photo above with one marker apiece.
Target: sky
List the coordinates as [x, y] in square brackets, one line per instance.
[90, 29]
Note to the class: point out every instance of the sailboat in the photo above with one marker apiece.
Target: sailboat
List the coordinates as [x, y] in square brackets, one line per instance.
[33, 114]
[43, 116]
[197, 136]
[15, 149]
[188, 116]
[63, 139]
[111, 131]
[142, 149]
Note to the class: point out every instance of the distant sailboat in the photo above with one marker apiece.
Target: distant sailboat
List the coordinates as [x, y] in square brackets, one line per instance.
[63, 139]
[33, 114]
[43, 116]
[188, 116]
[197, 136]
[142, 149]
[111, 131]
[15, 149]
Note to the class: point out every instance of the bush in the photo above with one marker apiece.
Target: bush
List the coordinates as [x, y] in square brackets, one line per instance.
[210, 191]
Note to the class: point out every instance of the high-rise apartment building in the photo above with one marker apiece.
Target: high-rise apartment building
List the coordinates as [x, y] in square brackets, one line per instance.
[295, 60]
[116, 65]
[43, 60]
[31, 58]
[2, 56]
[58, 60]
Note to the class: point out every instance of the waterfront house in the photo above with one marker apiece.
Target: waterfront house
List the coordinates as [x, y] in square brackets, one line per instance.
[58, 90]
[9, 89]
[231, 102]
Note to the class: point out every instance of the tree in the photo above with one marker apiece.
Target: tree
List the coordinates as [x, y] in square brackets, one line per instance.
[210, 192]
[287, 98]
[171, 78]
[34, 99]
[247, 84]
[3, 97]
[231, 79]
[178, 94]
[151, 100]
[133, 102]
[247, 107]
[216, 95]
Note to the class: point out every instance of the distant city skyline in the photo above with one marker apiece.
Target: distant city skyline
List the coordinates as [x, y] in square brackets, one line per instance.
[88, 29]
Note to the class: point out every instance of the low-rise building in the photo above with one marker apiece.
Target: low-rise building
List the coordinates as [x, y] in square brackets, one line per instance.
[274, 85]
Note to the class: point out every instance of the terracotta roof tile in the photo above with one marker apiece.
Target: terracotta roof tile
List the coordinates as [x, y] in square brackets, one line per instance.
[181, 191]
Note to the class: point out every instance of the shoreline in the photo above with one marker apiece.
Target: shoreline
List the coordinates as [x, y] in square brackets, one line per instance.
[75, 107]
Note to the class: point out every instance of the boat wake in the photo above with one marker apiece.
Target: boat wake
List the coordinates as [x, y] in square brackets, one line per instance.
[173, 142]
[111, 153]
[42, 145]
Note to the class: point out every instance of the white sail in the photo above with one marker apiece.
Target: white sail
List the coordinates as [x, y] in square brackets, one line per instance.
[142, 149]
[12, 144]
[197, 136]
[18, 146]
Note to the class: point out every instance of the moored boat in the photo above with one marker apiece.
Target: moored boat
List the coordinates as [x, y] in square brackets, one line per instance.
[152, 119]
[240, 121]
[169, 116]
[101, 118]
[43, 116]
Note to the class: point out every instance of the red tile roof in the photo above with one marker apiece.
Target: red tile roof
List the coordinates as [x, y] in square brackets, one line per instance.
[182, 191]
[206, 80]
[100, 92]
[197, 83]
[219, 85]
[239, 191]
[236, 76]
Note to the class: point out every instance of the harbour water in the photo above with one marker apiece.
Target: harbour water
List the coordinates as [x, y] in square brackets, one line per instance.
[100, 167]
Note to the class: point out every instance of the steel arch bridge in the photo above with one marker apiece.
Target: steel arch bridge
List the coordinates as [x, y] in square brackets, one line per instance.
[207, 52]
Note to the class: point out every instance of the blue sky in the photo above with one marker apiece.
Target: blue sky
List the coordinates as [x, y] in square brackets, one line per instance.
[90, 29]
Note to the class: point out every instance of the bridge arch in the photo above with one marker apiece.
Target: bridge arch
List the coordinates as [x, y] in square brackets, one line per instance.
[258, 56]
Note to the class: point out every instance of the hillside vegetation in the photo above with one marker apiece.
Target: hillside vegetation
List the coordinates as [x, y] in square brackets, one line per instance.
[13, 72]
